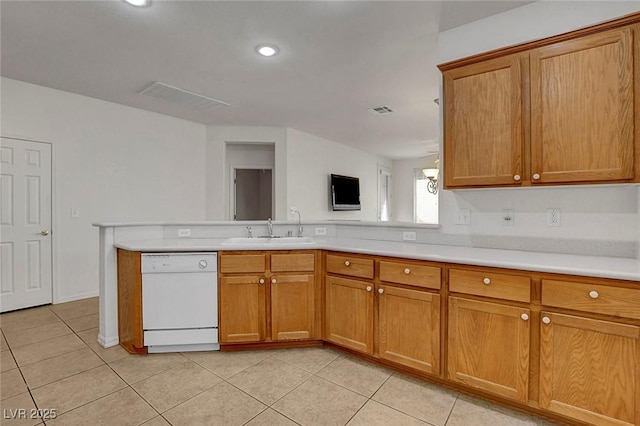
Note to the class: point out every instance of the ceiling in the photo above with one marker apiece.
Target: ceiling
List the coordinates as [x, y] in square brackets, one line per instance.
[337, 60]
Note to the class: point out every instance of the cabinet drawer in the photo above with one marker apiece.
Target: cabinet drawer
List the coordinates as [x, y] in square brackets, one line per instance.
[490, 284]
[352, 266]
[293, 262]
[243, 263]
[410, 274]
[621, 302]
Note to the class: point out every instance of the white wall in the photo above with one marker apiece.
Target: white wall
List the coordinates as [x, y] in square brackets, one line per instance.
[310, 161]
[608, 213]
[113, 163]
[403, 186]
[217, 176]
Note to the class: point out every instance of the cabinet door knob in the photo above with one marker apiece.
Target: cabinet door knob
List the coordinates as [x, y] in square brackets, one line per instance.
[380, 290]
[525, 317]
[261, 281]
[369, 288]
[273, 281]
[546, 320]
[536, 176]
[487, 281]
[347, 263]
[593, 294]
[407, 271]
[516, 177]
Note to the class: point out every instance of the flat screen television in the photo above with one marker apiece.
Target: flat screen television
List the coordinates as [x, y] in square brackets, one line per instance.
[345, 193]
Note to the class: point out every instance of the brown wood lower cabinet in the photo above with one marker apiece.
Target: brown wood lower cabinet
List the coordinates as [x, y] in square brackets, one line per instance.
[489, 347]
[349, 313]
[292, 306]
[268, 306]
[242, 309]
[409, 327]
[590, 369]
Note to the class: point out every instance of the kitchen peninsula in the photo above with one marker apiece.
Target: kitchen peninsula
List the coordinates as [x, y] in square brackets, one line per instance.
[462, 309]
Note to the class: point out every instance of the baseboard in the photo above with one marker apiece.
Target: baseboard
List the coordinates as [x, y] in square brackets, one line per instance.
[75, 297]
[107, 343]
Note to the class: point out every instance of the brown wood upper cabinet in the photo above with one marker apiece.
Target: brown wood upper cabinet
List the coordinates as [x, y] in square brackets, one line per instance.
[557, 111]
[483, 123]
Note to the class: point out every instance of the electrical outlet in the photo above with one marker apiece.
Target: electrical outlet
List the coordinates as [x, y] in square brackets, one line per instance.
[508, 217]
[184, 232]
[553, 217]
[408, 236]
[321, 231]
[463, 217]
[75, 213]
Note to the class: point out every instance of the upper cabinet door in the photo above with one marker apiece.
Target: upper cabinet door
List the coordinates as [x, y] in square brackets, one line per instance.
[582, 125]
[483, 116]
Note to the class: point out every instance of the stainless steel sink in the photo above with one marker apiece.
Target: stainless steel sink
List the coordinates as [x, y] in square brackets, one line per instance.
[244, 241]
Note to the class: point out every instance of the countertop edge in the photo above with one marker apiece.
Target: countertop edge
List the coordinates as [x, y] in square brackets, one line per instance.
[590, 266]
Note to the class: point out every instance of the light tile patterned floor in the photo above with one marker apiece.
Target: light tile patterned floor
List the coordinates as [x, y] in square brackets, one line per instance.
[50, 360]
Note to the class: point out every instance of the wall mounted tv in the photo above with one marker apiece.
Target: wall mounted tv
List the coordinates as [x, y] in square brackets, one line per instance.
[345, 193]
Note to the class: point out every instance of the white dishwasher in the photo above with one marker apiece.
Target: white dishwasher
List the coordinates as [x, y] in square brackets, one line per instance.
[180, 301]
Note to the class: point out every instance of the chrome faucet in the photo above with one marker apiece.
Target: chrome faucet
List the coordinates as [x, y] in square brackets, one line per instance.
[269, 228]
[249, 232]
[300, 228]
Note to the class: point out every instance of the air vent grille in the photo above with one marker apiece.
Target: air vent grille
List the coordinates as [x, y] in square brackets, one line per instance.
[182, 97]
[381, 110]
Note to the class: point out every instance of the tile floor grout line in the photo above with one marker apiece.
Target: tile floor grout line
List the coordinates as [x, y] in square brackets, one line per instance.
[344, 387]
[54, 356]
[171, 408]
[452, 408]
[66, 377]
[246, 393]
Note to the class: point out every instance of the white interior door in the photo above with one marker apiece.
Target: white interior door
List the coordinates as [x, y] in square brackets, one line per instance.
[25, 222]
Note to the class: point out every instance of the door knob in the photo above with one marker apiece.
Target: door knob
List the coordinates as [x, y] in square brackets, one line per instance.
[44, 233]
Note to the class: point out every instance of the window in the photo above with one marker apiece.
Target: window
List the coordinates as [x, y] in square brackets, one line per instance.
[384, 194]
[425, 204]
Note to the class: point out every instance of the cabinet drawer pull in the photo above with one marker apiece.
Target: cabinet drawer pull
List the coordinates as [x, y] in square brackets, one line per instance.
[546, 320]
[273, 281]
[487, 281]
[525, 317]
[261, 281]
[407, 271]
[593, 294]
[516, 177]
[536, 176]
[347, 263]
[369, 288]
[380, 290]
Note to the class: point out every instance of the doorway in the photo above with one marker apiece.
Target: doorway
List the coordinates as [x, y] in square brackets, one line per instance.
[25, 224]
[252, 194]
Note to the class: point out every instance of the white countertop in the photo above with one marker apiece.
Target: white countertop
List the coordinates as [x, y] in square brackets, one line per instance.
[593, 266]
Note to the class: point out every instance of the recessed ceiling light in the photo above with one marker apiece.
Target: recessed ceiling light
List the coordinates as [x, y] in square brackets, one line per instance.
[138, 3]
[267, 49]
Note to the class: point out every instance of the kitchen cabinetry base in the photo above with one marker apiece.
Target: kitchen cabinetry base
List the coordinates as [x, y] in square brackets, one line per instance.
[231, 347]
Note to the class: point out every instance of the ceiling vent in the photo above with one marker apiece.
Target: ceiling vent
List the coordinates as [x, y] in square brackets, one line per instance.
[182, 97]
[381, 110]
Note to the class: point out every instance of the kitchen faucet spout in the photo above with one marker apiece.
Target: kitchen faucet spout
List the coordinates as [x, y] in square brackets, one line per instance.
[269, 228]
[300, 228]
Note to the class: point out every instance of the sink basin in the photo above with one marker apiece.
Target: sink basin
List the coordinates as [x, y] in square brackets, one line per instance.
[244, 241]
[291, 240]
